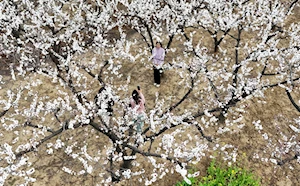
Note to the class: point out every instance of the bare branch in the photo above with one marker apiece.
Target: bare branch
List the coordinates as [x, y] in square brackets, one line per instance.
[199, 114]
[148, 31]
[186, 120]
[114, 177]
[101, 72]
[218, 42]
[208, 138]
[4, 112]
[54, 133]
[55, 114]
[150, 35]
[280, 83]
[237, 65]
[151, 142]
[108, 132]
[170, 41]
[29, 124]
[292, 100]
[291, 6]
[287, 160]
[183, 98]
[271, 74]
[87, 70]
[145, 39]
[172, 159]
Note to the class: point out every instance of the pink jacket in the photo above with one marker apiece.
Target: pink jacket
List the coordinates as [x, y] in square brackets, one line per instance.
[139, 107]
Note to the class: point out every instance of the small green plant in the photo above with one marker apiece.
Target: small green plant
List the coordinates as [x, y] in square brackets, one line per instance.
[183, 183]
[220, 176]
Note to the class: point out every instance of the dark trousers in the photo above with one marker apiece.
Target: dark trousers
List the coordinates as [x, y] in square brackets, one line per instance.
[156, 75]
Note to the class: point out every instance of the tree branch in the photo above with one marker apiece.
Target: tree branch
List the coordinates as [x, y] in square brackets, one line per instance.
[114, 177]
[144, 37]
[55, 114]
[287, 160]
[54, 133]
[277, 84]
[186, 120]
[108, 132]
[149, 33]
[170, 41]
[291, 6]
[205, 68]
[101, 72]
[183, 98]
[218, 42]
[208, 138]
[3, 113]
[151, 142]
[99, 78]
[199, 114]
[29, 124]
[270, 74]
[292, 100]
[172, 159]
[237, 65]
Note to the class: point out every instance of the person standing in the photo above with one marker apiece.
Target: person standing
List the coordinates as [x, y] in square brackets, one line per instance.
[158, 56]
[137, 104]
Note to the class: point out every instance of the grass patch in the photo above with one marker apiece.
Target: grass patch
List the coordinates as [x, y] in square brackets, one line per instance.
[218, 175]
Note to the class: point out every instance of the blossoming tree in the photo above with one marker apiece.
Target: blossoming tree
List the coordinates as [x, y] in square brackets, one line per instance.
[68, 62]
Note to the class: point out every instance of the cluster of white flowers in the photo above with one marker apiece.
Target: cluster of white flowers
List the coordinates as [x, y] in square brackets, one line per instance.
[50, 38]
[14, 166]
[257, 125]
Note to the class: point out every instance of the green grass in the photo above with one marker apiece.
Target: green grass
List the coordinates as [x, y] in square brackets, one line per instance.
[224, 176]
